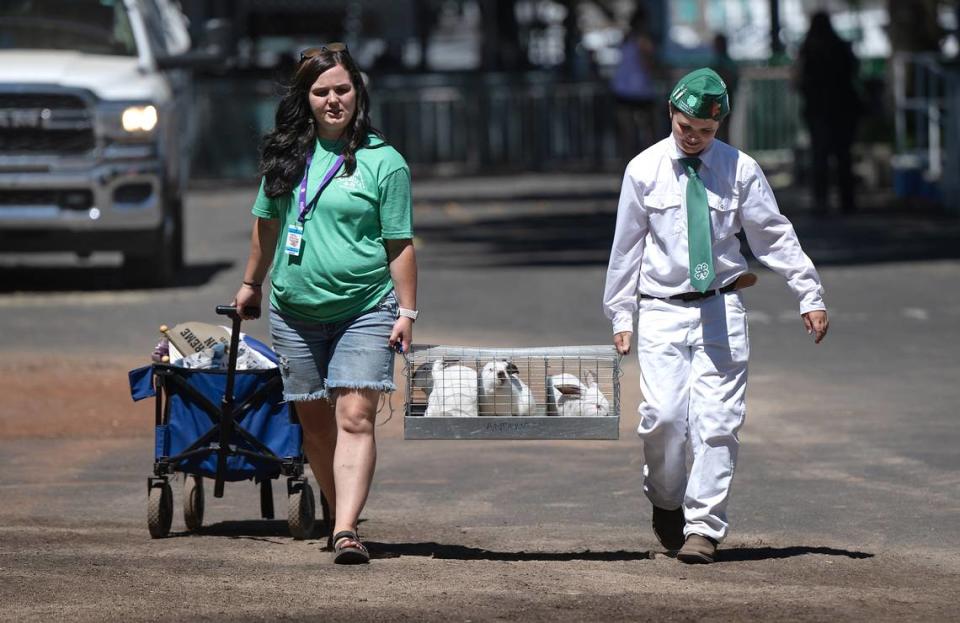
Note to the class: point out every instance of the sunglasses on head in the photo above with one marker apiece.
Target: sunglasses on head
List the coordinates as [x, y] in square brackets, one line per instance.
[336, 46]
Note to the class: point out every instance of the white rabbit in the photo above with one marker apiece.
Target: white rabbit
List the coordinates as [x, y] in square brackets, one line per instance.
[594, 402]
[563, 395]
[454, 390]
[572, 398]
[523, 402]
[496, 393]
[502, 392]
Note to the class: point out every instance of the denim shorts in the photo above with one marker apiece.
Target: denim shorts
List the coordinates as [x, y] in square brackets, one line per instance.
[318, 357]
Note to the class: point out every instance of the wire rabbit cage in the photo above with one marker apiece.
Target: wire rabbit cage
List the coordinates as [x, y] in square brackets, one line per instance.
[561, 392]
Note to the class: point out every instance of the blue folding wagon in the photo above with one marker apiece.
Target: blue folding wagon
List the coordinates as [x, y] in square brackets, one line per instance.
[226, 426]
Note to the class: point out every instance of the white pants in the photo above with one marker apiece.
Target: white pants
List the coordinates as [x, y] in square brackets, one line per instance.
[693, 375]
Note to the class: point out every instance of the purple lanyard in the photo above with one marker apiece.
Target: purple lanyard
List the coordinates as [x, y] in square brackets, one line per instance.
[304, 206]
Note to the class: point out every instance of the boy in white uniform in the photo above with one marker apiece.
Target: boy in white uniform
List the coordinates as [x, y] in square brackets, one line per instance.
[682, 203]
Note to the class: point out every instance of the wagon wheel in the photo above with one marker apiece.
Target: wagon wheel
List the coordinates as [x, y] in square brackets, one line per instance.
[193, 502]
[300, 511]
[159, 509]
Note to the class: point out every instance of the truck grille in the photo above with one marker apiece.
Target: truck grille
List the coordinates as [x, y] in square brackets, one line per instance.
[79, 199]
[45, 123]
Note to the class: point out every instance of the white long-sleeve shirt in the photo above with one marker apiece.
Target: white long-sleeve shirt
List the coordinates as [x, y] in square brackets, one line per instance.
[650, 253]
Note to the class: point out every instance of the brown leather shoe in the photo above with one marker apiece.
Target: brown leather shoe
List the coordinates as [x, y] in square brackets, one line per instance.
[668, 526]
[698, 550]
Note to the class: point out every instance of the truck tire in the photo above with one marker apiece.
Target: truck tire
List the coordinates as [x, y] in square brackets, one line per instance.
[161, 266]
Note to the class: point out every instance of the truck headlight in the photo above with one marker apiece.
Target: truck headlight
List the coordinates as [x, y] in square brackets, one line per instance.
[139, 118]
[129, 122]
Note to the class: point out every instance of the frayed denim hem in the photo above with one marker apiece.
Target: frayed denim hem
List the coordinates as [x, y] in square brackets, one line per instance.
[380, 387]
[320, 395]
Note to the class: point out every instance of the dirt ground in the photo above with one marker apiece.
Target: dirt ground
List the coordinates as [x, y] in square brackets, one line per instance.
[456, 531]
[47, 396]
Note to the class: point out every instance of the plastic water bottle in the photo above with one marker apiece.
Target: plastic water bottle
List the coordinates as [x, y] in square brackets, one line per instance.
[161, 352]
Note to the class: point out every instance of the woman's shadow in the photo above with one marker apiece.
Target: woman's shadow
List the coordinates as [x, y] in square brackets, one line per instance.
[274, 531]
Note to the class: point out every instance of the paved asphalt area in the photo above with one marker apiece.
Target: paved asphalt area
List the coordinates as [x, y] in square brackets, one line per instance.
[844, 506]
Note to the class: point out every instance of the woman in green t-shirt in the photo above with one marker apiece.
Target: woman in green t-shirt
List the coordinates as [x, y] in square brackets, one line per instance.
[334, 227]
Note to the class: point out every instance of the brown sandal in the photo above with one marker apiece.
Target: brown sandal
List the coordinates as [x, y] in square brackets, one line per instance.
[355, 554]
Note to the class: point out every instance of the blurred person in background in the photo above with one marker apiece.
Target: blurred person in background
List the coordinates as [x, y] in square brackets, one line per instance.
[334, 226]
[825, 74]
[683, 202]
[634, 87]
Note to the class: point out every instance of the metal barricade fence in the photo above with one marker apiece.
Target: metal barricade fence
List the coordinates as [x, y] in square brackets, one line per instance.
[765, 120]
[921, 87]
[498, 123]
[454, 124]
[951, 181]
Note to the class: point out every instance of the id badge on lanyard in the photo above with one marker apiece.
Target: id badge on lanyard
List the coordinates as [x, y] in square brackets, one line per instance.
[294, 243]
[294, 239]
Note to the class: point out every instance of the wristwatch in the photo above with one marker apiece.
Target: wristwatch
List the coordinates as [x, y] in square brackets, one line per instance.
[408, 313]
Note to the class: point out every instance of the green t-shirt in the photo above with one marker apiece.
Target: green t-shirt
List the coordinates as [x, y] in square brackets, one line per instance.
[342, 268]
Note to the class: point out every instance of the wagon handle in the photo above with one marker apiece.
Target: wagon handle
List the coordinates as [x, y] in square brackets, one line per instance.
[231, 310]
[226, 405]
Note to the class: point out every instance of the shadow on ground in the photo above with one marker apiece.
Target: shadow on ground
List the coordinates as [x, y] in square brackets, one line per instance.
[531, 240]
[25, 278]
[462, 552]
[265, 529]
[746, 554]
[883, 231]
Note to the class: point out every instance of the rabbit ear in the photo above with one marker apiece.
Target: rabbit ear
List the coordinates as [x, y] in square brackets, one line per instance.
[568, 389]
[591, 377]
[512, 369]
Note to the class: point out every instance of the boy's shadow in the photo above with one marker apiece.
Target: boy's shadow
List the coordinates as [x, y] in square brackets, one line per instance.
[462, 552]
[748, 554]
[445, 551]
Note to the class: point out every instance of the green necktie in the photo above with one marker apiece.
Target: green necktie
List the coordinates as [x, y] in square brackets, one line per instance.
[698, 228]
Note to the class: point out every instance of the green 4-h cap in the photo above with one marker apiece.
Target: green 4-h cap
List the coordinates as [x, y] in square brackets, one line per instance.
[701, 94]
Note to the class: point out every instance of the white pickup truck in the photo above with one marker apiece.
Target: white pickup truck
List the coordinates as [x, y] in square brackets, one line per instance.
[95, 131]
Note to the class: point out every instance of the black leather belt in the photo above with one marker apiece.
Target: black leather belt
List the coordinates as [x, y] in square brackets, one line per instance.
[694, 296]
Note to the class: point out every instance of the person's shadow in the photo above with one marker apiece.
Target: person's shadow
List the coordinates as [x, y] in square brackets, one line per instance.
[445, 551]
[749, 554]
[277, 531]
[266, 530]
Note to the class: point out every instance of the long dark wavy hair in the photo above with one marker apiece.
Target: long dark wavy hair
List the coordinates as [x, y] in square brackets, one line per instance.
[283, 151]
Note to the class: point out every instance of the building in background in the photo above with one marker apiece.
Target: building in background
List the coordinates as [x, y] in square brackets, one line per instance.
[505, 85]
